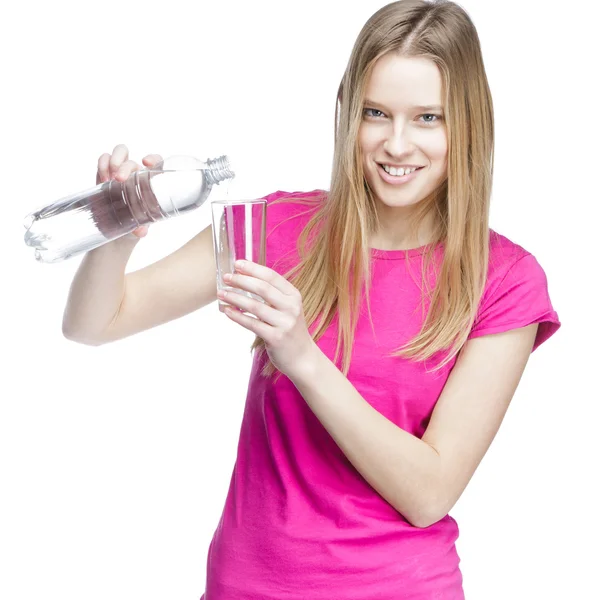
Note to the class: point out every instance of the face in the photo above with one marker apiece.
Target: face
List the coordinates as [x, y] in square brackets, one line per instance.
[396, 131]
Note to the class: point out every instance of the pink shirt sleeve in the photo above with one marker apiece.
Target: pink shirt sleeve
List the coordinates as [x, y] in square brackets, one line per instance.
[521, 298]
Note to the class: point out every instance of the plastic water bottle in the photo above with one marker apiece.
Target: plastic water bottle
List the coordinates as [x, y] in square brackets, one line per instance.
[88, 219]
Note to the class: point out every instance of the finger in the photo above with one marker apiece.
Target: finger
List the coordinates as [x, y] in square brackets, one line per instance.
[140, 231]
[151, 160]
[258, 327]
[259, 287]
[102, 174]
[263, 311]
[126, 169]
[267, 291]
[265, 274]
[119, 156]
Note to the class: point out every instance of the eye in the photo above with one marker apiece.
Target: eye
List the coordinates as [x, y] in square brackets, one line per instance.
[375, 113]
[437, 118]
[372, 110]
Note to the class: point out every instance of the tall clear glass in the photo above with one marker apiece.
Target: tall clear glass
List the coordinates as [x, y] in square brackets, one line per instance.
[239, 228]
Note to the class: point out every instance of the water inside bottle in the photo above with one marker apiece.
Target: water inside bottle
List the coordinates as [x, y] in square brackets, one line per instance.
[83, 221]
[49, 228]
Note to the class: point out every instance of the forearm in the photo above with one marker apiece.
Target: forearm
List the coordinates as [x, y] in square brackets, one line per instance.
[399, 466]
[97, 289]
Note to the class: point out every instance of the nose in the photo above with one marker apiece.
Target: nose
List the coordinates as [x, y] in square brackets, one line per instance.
[397, 142]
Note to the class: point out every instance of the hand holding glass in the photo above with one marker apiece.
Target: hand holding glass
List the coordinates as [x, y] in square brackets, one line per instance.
[238, 234]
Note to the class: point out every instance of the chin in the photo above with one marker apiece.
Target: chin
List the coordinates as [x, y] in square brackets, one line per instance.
[398, 202]
[396, 197]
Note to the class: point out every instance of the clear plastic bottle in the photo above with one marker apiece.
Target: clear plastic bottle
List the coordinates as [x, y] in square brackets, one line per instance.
[93, 217]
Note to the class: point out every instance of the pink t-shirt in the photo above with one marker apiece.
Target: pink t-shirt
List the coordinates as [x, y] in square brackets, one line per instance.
[300, 522]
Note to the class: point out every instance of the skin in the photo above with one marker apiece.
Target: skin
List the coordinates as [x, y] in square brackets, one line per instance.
[394, 131]
[422, 478]
[117, 166]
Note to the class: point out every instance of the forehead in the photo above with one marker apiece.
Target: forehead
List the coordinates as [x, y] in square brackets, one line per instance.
[400, 82]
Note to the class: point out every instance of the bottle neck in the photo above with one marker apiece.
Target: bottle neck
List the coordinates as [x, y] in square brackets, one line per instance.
[218, 169]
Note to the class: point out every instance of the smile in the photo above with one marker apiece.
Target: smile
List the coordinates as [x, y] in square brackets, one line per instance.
[397, 179]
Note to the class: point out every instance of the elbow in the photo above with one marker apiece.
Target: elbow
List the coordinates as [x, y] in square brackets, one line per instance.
[431, 509]
[425, 519]
[435, 502]
[420, 516]
[78, 339]
[431, 513]
[422, 520]
[69, 333]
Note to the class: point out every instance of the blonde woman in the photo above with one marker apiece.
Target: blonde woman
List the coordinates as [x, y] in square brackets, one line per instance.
[396, 328]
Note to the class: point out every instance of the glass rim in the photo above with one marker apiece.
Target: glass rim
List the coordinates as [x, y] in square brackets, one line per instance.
[256, 201]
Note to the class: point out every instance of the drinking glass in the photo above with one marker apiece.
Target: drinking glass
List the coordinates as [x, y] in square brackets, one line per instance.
[238, 234]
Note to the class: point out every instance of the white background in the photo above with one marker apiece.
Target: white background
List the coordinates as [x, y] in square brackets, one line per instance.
[115, 460]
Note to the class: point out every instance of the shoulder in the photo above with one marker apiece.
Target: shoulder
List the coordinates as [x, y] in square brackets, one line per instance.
[516, 292]
[509, 259]
[504, 251]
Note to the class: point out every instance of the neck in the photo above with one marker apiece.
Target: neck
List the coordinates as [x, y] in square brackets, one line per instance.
[394, 233]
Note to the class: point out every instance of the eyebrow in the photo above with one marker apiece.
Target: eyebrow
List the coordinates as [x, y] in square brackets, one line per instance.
[424, 107]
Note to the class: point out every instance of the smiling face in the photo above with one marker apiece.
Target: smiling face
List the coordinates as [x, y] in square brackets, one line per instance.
[403, 124]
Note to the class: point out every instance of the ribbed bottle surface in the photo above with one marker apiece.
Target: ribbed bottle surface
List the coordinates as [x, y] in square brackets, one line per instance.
[93, 217]
[219, 169]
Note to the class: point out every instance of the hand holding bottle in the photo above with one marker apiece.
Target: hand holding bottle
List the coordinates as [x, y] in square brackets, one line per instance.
[118, 166]
[126, 199]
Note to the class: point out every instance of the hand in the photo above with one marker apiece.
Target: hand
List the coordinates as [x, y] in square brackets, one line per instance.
[280, 320]
[118, 167]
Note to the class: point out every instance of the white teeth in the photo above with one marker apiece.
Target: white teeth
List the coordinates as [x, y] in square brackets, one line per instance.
[398, 172]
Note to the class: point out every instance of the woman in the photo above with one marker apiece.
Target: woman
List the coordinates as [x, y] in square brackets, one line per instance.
[396, 328]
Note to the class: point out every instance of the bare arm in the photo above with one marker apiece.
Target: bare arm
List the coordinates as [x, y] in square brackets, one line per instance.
[97, 290]
[119, 306]
[105, 305]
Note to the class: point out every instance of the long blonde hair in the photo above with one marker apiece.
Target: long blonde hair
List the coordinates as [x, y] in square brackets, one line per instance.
[335, 265]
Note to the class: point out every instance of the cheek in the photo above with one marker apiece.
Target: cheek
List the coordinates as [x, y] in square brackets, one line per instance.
[365, 139]
[439, 154]
[439, 147]
[364, 152]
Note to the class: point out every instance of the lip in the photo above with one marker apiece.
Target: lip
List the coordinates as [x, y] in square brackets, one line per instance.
[393, 180]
